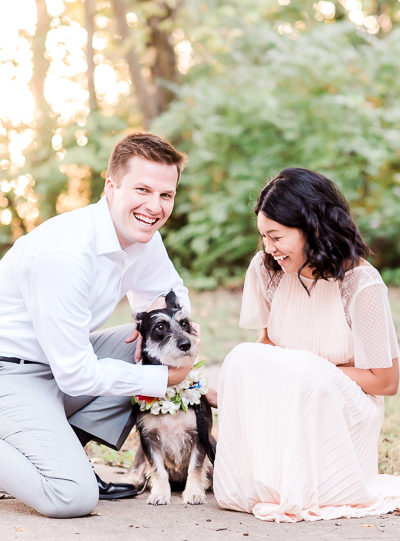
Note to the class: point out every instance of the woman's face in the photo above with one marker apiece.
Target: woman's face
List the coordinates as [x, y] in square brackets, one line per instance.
[285, 244]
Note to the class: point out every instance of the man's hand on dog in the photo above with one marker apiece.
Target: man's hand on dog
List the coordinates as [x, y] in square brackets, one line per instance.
[135, 335]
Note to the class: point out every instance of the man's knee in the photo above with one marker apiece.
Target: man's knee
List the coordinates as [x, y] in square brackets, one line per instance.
[70, 498]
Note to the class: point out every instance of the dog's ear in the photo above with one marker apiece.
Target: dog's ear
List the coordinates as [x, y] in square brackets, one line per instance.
[140, 320]
[171, 300]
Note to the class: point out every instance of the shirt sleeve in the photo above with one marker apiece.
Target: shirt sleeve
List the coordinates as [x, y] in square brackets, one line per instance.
[156, 278]
[57, 290]
[374, 336]
[255, 305]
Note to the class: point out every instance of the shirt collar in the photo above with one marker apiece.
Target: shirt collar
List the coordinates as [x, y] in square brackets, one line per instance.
[106, 237]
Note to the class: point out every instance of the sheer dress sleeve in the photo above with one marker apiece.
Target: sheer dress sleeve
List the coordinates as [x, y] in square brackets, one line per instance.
[258, 291]
[374, 335]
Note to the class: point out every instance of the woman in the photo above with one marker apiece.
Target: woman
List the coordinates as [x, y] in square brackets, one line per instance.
[301, 410]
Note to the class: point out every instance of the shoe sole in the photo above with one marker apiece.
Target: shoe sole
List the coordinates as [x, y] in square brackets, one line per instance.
[127, 494]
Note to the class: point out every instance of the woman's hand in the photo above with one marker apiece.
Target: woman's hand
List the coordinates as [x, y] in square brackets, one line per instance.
[212, 397]
[375, 381]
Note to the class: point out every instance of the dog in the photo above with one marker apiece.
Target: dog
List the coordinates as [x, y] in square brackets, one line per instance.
[173, 447]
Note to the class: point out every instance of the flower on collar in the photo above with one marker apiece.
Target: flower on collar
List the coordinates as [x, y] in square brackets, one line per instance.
[187, 393]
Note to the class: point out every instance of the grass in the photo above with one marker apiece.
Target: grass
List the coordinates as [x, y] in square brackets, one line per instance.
[218, 312]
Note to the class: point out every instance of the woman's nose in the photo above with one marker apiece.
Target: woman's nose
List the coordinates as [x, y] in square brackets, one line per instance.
[269, 246]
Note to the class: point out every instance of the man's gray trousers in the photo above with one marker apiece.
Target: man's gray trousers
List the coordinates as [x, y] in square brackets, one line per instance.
[42, 462]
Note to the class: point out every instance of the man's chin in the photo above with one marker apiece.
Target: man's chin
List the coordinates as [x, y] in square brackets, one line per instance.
[143, 236]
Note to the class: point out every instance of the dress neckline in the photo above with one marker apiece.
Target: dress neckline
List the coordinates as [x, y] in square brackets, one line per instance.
[348, 272]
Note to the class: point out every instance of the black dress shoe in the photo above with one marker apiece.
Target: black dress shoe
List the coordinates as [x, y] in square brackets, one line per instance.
[114, 491]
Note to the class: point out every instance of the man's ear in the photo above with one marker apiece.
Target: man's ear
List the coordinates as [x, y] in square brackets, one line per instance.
[109, 188]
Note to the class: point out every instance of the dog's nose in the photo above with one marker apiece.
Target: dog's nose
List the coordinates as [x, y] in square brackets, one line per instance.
[183, 344]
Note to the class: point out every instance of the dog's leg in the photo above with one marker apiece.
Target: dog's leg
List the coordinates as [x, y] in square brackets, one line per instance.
[138, 474]
[196, 482]
[160, 488]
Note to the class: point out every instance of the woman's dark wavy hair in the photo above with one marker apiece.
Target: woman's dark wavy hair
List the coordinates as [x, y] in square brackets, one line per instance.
[309, 201]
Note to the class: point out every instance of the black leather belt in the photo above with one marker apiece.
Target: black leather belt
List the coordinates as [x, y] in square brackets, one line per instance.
[16, 360]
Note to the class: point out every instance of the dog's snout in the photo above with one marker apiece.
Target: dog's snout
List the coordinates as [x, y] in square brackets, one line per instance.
[183, 344]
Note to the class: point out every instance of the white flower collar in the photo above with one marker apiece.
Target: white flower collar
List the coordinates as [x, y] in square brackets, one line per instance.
[187, 393]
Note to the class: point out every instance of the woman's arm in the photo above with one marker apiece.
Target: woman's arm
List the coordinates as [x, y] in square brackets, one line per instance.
[377, 381]
[264, 338]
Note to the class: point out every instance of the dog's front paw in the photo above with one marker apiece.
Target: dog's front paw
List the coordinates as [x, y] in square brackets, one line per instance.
[194, 497]
[159, 499]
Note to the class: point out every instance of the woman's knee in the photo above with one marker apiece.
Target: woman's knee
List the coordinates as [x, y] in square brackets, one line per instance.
[248, 352]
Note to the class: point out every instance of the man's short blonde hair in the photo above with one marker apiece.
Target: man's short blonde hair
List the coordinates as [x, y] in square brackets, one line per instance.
[144, 145]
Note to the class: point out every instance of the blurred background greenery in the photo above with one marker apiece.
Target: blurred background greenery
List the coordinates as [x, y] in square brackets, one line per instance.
[246, 88]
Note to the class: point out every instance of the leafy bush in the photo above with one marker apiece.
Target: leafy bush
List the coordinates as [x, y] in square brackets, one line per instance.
[325, 100]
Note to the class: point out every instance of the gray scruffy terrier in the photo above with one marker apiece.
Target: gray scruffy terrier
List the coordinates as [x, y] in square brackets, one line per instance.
[172, 450]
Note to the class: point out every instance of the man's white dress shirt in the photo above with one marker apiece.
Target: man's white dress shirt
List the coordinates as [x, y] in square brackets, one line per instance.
[62, 281]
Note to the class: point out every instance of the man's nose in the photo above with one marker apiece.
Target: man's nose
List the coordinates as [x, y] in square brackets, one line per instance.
[153, 204]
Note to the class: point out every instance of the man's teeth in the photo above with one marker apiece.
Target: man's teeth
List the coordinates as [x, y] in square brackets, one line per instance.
[144, 219]
[280, 257]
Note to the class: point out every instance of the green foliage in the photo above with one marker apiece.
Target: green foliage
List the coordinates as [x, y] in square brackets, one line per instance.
[391, 276]
[325, 100]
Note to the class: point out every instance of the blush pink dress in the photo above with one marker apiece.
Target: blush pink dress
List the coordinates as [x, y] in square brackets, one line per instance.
[297, 438]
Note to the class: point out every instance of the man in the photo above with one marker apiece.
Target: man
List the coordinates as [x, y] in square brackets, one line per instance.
[60, 383]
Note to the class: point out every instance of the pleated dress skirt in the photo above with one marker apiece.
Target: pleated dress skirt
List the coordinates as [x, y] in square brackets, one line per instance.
[297, 439]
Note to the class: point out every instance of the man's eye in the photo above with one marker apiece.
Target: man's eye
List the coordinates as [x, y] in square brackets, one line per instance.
[143, 190]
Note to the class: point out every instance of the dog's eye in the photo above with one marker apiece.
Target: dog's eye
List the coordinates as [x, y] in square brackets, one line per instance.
[185, 324]
[161, 327]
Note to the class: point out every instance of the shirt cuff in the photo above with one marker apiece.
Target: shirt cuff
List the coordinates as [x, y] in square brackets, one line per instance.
[155, 380]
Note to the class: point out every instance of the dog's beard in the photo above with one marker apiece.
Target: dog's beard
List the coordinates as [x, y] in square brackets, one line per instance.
[167, 352]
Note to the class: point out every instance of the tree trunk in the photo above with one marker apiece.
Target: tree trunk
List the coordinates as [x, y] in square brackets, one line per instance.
[90, 10]
[164, 66]
[146, 101]
[40, 63]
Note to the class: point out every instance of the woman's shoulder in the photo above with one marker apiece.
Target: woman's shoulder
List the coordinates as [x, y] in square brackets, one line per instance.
[362, 275]
[266, 278]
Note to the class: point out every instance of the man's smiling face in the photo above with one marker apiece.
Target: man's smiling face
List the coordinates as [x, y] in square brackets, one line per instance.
[143, 199]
